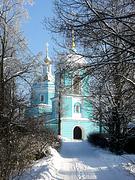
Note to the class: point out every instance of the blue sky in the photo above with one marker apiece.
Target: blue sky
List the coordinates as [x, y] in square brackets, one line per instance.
[33, 29]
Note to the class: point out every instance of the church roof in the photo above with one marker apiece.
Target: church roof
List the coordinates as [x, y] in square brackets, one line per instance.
[75, 59]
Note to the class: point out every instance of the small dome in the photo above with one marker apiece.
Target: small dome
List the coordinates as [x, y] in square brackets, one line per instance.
[70, 60]
[75, 58]
[48, 60]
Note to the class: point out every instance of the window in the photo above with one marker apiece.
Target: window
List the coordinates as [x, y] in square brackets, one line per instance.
[77, 108]
[48, 68]
[42, 98]
[76, 85]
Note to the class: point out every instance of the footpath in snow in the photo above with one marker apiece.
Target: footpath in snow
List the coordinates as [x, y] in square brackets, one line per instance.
[79, 160]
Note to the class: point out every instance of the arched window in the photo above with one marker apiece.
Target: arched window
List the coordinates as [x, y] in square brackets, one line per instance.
[77, 108]
[76, 85]
[42, 98]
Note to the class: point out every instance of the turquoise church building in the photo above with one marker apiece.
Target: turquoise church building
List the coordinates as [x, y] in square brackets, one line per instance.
[60, 98]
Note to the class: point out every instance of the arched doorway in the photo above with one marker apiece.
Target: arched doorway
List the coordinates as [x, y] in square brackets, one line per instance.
[77, 133]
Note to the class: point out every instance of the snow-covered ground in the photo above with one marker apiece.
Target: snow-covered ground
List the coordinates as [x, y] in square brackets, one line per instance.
[79, 160]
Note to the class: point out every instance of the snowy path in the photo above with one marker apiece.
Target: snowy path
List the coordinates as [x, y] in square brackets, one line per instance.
[80, 161]
[85, 162]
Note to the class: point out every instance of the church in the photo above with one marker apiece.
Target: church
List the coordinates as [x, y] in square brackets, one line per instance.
[61, 99]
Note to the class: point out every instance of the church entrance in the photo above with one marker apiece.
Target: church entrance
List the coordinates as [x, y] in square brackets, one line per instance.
[77, 133]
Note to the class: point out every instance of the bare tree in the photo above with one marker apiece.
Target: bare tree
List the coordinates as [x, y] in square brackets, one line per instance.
[113, 104]
[96, 24]
[17, 142]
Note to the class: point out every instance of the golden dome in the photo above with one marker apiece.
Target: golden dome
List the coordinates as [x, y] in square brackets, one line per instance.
[47, 60]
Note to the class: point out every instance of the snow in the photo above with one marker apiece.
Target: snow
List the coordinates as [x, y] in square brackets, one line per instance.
[78, 160]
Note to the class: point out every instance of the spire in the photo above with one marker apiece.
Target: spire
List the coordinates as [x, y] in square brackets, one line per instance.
[47, 67]
[47, 59]
[73, 40]
[46, 50]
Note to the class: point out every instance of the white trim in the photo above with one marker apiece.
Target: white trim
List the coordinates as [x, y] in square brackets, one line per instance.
[78, 99]
[73, 96]
[43, 90]
[51, 120]
[43, 83]
[79, 119]
[76, 115]
[44, 105]
[72, 118]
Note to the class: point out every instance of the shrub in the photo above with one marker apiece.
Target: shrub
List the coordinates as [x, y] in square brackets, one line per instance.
[26, 142]
[40, 154]
[98, 139]
[43, 144]
[130, 145]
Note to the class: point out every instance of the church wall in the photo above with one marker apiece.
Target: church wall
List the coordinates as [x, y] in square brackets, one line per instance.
[87, 110]
[36, 99]
[66, 106]
[31, 112]
[87, 127]
[45, 89]
[67, 80]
